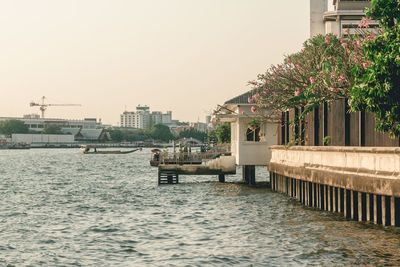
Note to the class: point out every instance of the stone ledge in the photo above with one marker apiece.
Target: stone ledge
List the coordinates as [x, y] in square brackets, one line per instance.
[358, 181]
[355, 149]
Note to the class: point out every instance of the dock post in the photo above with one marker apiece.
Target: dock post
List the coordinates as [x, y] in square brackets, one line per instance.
[221, 178]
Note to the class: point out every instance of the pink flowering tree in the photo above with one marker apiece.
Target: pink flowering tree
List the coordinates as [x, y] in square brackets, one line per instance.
[377, 85]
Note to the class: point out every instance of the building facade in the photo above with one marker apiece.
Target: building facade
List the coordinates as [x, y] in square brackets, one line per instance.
[337, 17]
[35, 123]
[142, 118]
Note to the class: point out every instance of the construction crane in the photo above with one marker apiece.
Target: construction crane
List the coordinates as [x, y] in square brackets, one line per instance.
[44, 106]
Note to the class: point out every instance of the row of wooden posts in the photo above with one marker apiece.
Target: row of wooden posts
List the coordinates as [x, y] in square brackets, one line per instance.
[332, 124]
[359, 206]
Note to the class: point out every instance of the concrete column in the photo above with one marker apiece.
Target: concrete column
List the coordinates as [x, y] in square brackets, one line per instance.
[312, 194]
[334, 199]
[345, 203]
[360, 214]
[339, 200]
[392, 211]
[329, 197]
[368, 207]
[352, 203]
[298, 190]
[383, 210]
[319, 196]
[375, 211]
[307, 194]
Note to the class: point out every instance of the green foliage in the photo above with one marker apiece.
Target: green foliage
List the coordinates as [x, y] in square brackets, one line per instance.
[129, 135]
[161, 132]
[377, 88]
[9, 127]
[223, 133]
[192, 132]
[52, 129]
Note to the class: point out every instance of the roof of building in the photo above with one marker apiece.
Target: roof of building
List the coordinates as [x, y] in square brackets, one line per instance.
[73, 131]
[91, 133]
[241, 99]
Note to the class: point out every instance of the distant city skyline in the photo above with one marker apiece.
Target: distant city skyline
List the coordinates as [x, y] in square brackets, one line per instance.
[186, 56]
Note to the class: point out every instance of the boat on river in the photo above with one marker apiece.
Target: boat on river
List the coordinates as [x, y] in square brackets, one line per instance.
[86, 150]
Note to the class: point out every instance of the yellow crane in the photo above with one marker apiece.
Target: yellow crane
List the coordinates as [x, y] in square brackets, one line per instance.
[44, 106]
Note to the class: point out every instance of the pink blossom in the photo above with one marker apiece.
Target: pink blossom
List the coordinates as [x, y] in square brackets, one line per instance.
[251, 128]
[265, 91]
[372, 37]
[253, 109]
[355, 59]
[242, 112]
[333, 75]
[364, 23]
[365, 65]
[296, 93]
[312, 80]
[259, 105]
[299, 67]
[341, 78]
[250, 100]
[302, 51]
[327, 40]
[346, 31]
[359, 43]
[344, 45]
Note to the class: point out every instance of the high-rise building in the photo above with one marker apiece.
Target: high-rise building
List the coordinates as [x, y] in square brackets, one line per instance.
[142, 118]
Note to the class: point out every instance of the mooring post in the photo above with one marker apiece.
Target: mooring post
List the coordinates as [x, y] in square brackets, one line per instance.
[221, 178]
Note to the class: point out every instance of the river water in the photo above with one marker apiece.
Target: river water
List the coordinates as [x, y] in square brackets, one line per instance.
[59, 207]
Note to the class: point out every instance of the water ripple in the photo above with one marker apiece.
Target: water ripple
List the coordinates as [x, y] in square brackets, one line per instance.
[63, 208]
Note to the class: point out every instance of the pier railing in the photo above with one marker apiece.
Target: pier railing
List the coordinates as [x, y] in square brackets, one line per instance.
[192, 157]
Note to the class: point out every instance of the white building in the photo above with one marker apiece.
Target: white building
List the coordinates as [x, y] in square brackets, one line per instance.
[250, 147]
[143, 119]
[337, 16]
[35, 123]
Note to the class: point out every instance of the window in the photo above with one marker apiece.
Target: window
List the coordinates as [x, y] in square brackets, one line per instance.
[253, 135]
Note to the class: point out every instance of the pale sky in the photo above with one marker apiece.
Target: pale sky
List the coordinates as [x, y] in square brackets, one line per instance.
[186, 56]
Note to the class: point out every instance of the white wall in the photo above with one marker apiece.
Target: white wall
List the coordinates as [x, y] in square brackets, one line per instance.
[317, 9]
[42, 138]
[251, 152]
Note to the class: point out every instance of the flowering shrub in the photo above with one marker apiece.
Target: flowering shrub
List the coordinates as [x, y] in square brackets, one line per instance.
[323, 70]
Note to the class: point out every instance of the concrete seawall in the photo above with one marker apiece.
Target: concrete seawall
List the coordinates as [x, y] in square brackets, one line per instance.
[363, 183]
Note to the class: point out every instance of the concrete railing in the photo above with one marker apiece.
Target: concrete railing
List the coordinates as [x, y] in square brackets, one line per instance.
[367, 169]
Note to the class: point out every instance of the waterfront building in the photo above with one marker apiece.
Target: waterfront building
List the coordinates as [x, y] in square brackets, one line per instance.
[337, 18]
[142, 118]
[342, 165]
[249, 145]
[35, 123]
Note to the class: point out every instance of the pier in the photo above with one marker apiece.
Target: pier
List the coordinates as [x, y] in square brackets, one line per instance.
[200, 163]
[362, 183]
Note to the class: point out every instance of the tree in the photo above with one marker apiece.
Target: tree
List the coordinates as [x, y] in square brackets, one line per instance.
[161, 132]
[377, 87]
[116, 135]
[192, 132]
[223, 133]
[52, 129]
[9, 127]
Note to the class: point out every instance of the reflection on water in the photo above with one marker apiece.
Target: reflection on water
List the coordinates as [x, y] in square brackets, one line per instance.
[60, 207]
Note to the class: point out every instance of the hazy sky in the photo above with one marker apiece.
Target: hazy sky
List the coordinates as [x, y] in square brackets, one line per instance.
[181, 55]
